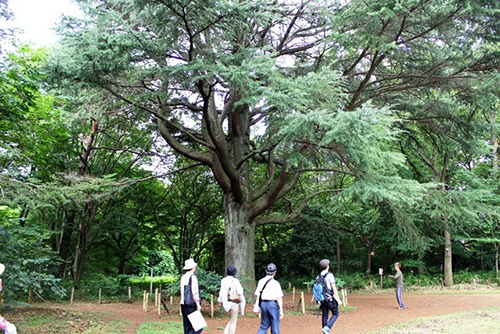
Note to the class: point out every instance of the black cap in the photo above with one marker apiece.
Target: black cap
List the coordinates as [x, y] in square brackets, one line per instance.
[271, 268]
[231, 270]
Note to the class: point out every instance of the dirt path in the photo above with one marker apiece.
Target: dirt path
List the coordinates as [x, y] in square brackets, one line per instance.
[372, 311]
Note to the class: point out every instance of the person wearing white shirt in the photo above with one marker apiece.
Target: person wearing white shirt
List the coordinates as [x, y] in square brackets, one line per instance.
[190, 303]
[229, 305]
[270, 297]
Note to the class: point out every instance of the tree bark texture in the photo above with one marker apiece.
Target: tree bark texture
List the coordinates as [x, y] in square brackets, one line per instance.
[448, 251]
[239, 241]
[337, 271]
[497, 249]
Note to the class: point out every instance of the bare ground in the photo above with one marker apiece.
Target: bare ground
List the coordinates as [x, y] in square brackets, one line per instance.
[372, 312]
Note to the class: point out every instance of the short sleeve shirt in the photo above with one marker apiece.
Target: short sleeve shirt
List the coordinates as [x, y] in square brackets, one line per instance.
[329, 279]
[272, 291]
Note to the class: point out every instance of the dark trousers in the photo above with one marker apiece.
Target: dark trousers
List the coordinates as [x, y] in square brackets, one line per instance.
[326, 307]
[269, 317]
[188, 328]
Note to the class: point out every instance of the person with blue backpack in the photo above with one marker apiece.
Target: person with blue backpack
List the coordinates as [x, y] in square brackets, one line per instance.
[326, 294]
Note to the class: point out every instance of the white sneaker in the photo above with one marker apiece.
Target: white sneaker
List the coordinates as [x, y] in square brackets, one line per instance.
[326, 330]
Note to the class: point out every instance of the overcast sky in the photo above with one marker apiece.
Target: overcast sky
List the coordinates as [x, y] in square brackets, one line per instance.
[37, 19]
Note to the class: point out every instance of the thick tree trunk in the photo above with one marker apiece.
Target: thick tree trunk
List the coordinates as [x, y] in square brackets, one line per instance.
[497, 249]
[448, 251]
[121, 265]
[79, 258]
[494, 141]
[240, 241]
[64, 247]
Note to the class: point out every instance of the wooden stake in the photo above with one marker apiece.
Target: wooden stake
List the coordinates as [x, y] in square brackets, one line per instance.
[29, 295]
[303, 303]
[211, 306]
[293, 294]
[289, 286]
[156, 297]
[129, 294]
[159, 302]
[72, 295]
[171, 300]
[371, 285]
[99, 295]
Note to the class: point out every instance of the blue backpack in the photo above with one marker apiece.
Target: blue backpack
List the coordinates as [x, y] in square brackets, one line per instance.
[320, 289]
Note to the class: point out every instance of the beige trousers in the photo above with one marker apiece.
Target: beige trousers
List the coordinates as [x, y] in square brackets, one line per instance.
[231, 325]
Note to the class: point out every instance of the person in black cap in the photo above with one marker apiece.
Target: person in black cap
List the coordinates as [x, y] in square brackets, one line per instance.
[269, 301]
[231, 297]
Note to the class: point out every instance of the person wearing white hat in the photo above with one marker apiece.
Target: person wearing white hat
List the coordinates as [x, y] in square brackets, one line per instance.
[190, 295]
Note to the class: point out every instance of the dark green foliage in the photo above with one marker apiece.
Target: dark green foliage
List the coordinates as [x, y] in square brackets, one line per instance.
[29, 262]
[209, 283]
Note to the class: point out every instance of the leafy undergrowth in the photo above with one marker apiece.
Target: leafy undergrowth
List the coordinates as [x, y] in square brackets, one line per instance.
[53, 321]
[477, 322]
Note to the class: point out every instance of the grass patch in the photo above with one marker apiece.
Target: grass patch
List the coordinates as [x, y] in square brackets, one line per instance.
[53, 321]
[478, 322]
[171, 327]
[347, 308]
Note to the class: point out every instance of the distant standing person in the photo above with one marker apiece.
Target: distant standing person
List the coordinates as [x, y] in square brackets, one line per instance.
[269, 301]
[331, 303]
[190, 295]
[231, 297]
[399, 285]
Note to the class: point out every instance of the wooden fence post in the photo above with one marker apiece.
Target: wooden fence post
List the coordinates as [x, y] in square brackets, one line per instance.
[211, 306]
[303, 302]
[344, 296]
[72, 295]
[293, 294]
[159, 302]
[129, 294]
[29, 295]
[99, 295]
[371, 285]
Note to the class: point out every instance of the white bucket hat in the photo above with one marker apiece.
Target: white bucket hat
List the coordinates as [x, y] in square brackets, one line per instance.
[2, 268]
[189, 264]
